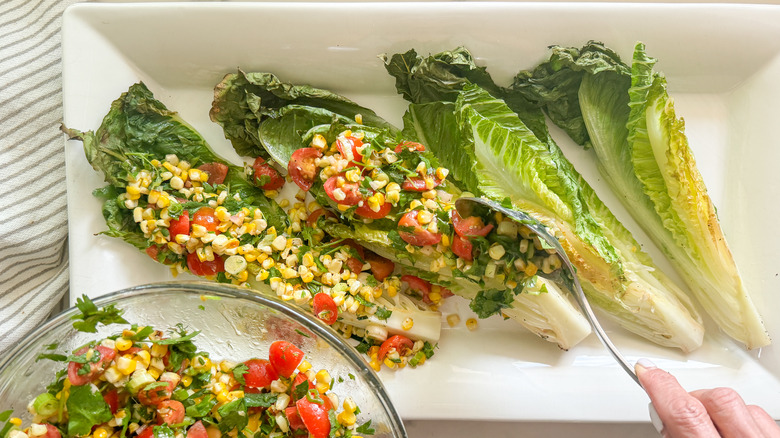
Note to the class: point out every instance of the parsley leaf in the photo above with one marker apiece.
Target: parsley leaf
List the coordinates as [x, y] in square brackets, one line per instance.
[239, 371]
[263, 400]
[91, 316]
[489, 302]
[366, 428]
[86, 408]
[233, 416]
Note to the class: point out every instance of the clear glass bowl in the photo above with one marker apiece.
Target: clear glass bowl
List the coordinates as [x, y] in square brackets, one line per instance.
[236, 325]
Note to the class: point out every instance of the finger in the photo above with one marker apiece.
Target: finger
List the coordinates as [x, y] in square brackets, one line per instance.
[682, 414]
[764, 422]
[728, 412]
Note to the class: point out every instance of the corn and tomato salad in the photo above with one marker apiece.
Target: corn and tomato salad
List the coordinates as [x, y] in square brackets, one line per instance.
[192, 222]
[142, 384]
[397, 187]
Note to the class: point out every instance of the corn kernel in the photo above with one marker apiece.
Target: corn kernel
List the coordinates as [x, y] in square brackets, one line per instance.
[453, 319]
[201, 363]
[319, 142]
[126, 365]
[158, 350]
[16, 421]
[222, 396]
[155, 372]
[235, 395]
[253, 423]
[322, 388]
[304, 366]
[123, 344]
[349, 405]
[144, 358]
[346, 418]
[186, 380]
[323, 376]
[407, 324]
[471, 324]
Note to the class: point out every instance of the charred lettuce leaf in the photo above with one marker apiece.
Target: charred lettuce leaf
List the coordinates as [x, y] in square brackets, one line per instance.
[261, 114]
[626, 114]
[498, 146]
[139, 128]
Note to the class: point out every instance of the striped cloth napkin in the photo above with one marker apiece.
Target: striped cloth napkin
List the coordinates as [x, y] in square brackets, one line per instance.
[33, 218]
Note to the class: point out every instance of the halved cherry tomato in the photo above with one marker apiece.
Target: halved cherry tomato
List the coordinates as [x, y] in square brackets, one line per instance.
[314, 417]
[264, 171]
[260, 373]
[207, 218]
[462, 247]
[299, 379]
[410, 145]
[206, 268]
[381, 267]
[179, 226]
[153, 393]
[351, 190]
[53, 432]
[424, 288]
[197, 430]
[153, 251]
[147, 432]
[398, 343]
[354, 264]
[418, 285]
[419, 236]
[284, 357]
[78, 377]
[366, 211]
[348, 148]
[314, 216]
[302, 167]
[325, 308]
[216, 171]
[471, 226]
[170, 412]
[418, 184]
[293, 419]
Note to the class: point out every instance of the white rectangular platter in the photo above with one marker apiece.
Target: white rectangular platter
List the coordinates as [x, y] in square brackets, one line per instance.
[721, 61]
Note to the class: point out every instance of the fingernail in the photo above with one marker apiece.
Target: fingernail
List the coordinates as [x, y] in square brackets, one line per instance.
[645, 364]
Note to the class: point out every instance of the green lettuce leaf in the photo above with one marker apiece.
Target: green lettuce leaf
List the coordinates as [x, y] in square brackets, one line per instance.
[499, 156]
[554, 85]
[256, 110]
[376, 236]
[644, 155]
[139, 128]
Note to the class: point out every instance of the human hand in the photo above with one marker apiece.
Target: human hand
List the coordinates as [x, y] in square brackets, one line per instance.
[718, 412]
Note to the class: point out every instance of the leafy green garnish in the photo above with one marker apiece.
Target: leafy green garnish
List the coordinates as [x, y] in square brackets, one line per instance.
[491, 301]
[232, 416]
[263, 399]
[91, 316]
[86, 408]
[239, 371]
[366, 428]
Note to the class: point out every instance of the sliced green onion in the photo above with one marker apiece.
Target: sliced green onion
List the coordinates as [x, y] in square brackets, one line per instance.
[45, 405]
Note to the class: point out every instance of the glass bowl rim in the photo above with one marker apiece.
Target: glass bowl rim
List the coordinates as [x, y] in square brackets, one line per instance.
[222, 290]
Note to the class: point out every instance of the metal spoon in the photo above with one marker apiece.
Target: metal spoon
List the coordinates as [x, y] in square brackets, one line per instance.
[466, 207]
